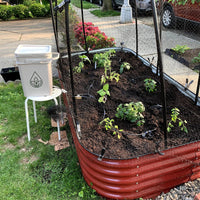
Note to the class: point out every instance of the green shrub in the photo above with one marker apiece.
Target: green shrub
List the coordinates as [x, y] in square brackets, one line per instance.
[47, 10]
[21, 11]
[5, 12]
[38, 10]
[10, 11]
[28, 3]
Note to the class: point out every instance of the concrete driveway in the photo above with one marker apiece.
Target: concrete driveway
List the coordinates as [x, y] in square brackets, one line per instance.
[14, 33]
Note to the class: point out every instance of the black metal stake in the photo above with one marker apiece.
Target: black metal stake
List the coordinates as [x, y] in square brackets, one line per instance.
[69, 54]
[54, 27]
[163, 92]
[136, 28]
[56, 18]
[197, 92]
[83, 24]
[160, 31]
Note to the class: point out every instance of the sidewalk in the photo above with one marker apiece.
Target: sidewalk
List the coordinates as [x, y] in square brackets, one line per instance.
[14, 33]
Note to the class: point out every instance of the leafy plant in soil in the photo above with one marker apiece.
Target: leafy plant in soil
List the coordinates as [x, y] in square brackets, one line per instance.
[123, 66]
[185, 58]
[80, 66]
[131, 112]
[103, 59]
[180, 49]
[103, 93]
[110, 126]
[150, 85]
[196, 59]
[174, 119]
[129, 88]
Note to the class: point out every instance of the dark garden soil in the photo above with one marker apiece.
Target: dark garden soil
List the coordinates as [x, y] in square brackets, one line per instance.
[130, 88]
[185, 58]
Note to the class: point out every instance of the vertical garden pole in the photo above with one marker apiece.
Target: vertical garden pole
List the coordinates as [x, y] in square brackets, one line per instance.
[197, 92]
[69, 53]
[54, 27]
[160, 31]
[163, 92]
[56, 18]
[86, 47]
[136, 27]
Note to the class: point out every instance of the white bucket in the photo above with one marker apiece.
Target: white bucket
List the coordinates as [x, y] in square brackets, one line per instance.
[34, 62]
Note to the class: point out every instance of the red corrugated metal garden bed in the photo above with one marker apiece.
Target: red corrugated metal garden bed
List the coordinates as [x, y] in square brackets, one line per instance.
[140, 176]
[145, 176]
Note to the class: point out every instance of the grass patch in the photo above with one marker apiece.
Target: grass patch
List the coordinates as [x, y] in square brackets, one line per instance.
[110, 13]
[32, 170]
[86, 4]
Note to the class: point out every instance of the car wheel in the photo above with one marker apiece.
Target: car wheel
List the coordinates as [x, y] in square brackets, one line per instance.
[101, 2]
[168, 17]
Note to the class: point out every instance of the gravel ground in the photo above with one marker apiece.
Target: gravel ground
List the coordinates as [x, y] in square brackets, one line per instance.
[186, 191]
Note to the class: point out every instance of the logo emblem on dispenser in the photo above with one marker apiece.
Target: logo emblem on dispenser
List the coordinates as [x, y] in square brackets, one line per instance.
[36, 80]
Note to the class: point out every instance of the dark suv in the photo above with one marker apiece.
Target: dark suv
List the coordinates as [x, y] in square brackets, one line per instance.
[171, 12]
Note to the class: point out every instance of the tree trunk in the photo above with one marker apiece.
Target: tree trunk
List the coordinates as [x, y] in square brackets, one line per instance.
[107, 5]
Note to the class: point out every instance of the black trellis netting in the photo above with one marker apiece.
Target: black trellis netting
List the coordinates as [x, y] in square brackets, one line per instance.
[156, 43]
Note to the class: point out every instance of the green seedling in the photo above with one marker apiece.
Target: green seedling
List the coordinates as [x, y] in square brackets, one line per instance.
[150, 85]
[180, 49]
[131, 112]
[174, 119]
[196, 59]
[124, 65]
[114, 75]
[80, 66]
[104, 92]
[110, 126]
[103, 59]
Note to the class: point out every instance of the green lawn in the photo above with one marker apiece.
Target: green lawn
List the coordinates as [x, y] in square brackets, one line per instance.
[33, 170]
[86, 4]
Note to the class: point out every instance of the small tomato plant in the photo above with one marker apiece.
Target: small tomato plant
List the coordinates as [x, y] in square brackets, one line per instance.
[80, 66]
[131, 112]
[174, 118]
[110, 126]
[103, 93]
[150, 85]
[180, 49]
[124, 65]
[103, 59]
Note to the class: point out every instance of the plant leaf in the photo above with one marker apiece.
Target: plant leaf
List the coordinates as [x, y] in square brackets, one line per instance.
[106, 87]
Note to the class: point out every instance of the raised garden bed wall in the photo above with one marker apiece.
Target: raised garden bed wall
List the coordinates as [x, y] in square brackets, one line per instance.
[149, 169]
[145, 161]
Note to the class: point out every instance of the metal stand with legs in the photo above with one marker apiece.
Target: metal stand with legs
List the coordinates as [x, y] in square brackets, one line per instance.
[55, 93]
